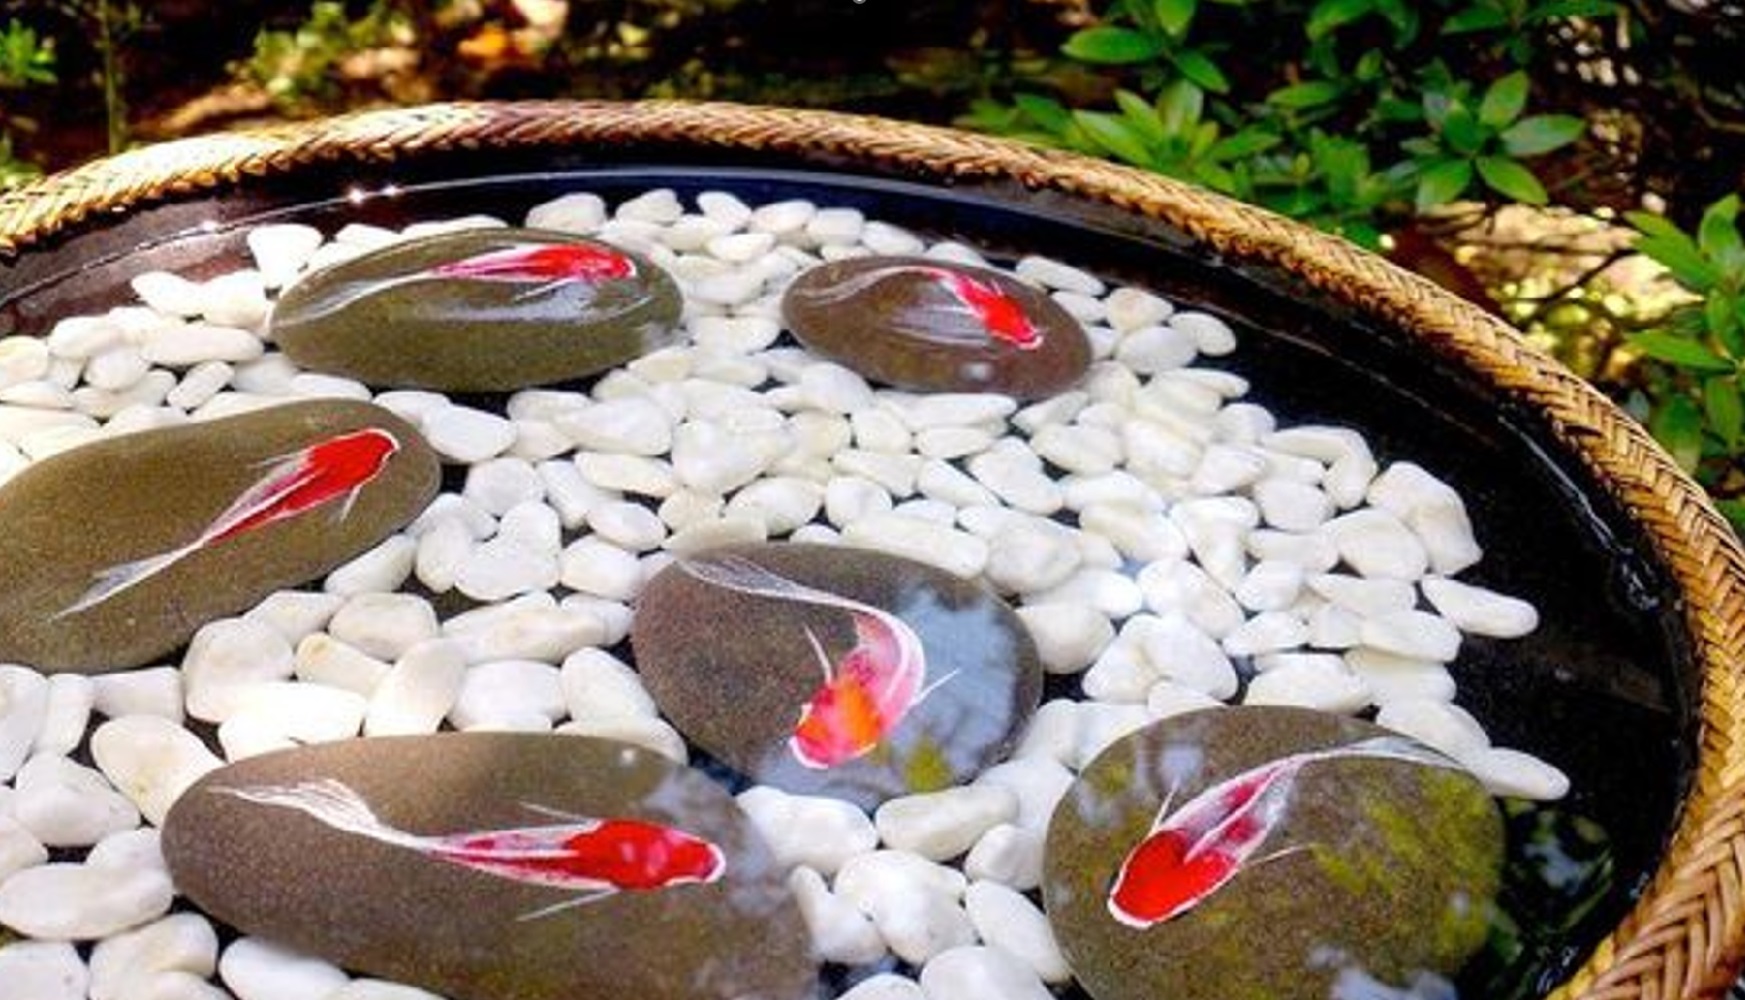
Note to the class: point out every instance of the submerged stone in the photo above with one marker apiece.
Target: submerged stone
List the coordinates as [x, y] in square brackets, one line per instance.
[1332, 851]
[919, 323]
[491, 865]
[835, 671]
[478, 310]
[115, 552]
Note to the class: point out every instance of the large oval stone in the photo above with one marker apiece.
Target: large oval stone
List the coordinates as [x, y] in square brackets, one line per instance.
[493, 865]
[919, 323]
[113, 553]
[832, 670]
[478, 310]
[1346, 863]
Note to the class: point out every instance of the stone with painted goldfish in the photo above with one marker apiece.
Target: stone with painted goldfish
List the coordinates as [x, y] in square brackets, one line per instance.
[478, 310]
[919, 323]
[117, 551]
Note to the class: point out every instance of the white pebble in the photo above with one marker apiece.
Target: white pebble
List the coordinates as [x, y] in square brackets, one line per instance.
[1015, 475]
[981, 972]
[651, 734]
[378, 571]
[1100, 724]
[507, 689]
[735, 334]
[43, 970]
[80, 902]
[18, 848]
[151, 760]
[1037, 781]
[1155, 349]
[1008, 854]
[237, 299]
[595, 567]
[1180, 650]
[633, 425]
[713, 458]
[944, 824]
[1321, 683]
[1375, 544]
[885, 986]
[581, 213]
[1514, 773]
[636, 474]
[1167, 698]
[1030, 556]
[839, 932]
[947, 548]
[170, 294]
[152, 691]
[66, 711]
[1068, 636]
[1138, 532]
[835, 225]
[496, 485]
[1394, 678]
[912, 902]
[1290, 505]
[596, 683]
[1437, 724]
[1270, 586]
[228, 656]
[1416, 634]
[416, 694]
[1480, 611]
[502, 568]
[65, 804]
[296, 614]
[1267, 632]
[629, 526]
[819, 832]
[301, 711]
[442, 550]
[281, 249]
[384, 625]
[181, 942]
[256, 969]
[569, 493]
[1061, 277]
[462, 434]
[955, 409]
[1182, 587]
[1005, 919]
[1367, 598]
[849, 499]
[1111, 592]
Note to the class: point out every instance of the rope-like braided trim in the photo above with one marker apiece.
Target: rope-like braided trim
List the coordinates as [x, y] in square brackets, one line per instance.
[1684, 938]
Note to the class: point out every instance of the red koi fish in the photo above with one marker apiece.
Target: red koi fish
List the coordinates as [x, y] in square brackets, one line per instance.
[999, 313]
[993, 314]
[329, 470]
[595, 858]
[1194, 851]
[866, 695]
[541, 263]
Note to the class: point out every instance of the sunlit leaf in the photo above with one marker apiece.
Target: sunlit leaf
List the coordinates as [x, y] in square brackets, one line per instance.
[1199, 68]
[1679, 351]
[1044, 111]
[1330, 15]
[1537, 134]
[1462, 130]
[1142, 116]
[1243, 144]
[1718, 233]
[1180, 106]
[1721, 315]
[1312, 94]
[1504, 100]
[1511, 180]
[1672, 249]
[1442, 182]
[1108, 45]
[1174, 15]
[1114, 135]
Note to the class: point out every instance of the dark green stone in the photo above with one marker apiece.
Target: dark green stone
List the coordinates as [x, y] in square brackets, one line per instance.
[732, 670]
[1388, 868]
[74, 515]
[393, 909]
[896, 320]
[384, 319]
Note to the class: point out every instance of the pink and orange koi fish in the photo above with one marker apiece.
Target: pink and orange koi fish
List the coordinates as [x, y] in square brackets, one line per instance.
[866, 695]
[540, 263]
[334, 469]
[999, 313]
[1196, 850]
[595, 858]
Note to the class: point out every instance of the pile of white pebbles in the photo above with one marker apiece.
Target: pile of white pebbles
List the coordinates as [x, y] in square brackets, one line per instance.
[1172, 544]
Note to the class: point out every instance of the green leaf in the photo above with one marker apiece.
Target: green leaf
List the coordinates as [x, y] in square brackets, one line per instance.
[1537, 134]
[1180, 106]
[1572, 8]
[1198, 67]
[1511, 180]
[1718, 233]
[1679, 426]
[1669, 247]
[1114, 135]
[1175, 15]
[1243, 144]
[1142, 116]
[1734, 511]
[1111, 46]
[1725, 410]
[1678, 351]
[1462, 131]
[1721, 316]
[1443, 182]
[1044, 111]
[1312, 94]
[1330, 15]
[1504, 100]
[1475, 19]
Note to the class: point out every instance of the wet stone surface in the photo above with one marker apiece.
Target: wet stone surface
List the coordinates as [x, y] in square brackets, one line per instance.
[1359, 864]
[930, 677]
[472, 865]
[177, 527]
[918, 323]
[478, 310]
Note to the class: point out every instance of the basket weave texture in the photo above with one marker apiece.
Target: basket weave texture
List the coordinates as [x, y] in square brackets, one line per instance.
[1685, 936]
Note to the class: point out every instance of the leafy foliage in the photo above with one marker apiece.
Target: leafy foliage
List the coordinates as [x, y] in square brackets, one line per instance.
[26, 60]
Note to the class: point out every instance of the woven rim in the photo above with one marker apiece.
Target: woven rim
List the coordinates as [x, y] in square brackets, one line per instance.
[1685, 936]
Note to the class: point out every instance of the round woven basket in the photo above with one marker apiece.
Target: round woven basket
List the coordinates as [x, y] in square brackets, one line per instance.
[1684, 936]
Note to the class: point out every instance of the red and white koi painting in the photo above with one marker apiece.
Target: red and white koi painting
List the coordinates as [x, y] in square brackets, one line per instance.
[994, 314]
[1192, 852]
[337, 468]
[594, 858]
[541, 263]
[865, 695]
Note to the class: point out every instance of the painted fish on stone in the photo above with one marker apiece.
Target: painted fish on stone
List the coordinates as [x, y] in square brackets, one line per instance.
[866, 695]
[998, 316]
[335, 469]
[1192, 852]
[595, 858]
[540, 263]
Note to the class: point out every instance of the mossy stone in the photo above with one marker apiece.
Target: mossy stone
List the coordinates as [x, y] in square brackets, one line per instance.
[425, 314]
[74, 517]
[919, 323]
[338, 850]
[734, 671]
[1381, 867]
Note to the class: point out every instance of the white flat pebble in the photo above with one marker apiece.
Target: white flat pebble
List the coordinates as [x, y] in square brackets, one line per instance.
[634, 425]
[1180, 650]
[981, 972]
[1394, 678]
[916, 917]
[581, 213]
[1267, 632]
[1110, 592]
[43, 970]
[152, 691]
[1436, 724]
[378, 571]
[61, 901]
[1100, 725]
[1004, 918]
[1167, 698]
[1184, 588]
[1514, 773]
[502, 568]
[255, 969]
[1141, 534]
[301, 711]
[1415, 634]
[1321, 683]
[1056, 275]
[463, 434]
[384, 625]
[228, 656]
[1053, 731]
[955, 409]
[180, 942]
[782, 503]
[1375, 544]
[1367, 598]
[23, 708]
[944, 824]
[66, 712]
[296, 613]
[415, 695]
[1068, 636]
[65, 804]
[840, 933]
[885, 986]
[636, 474]
[594, 682]
[819, 832]
[1030, 556]
[949, 549]
[507, 689]
[1478, 610]
[496, 485]
[1038, 782]
[1007, 854]
[18, 849]
[1212, 335]
[151, 760]
[1271, 585]
[281, 249]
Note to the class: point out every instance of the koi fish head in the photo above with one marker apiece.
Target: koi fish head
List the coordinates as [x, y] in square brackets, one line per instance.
[542, 262]
[1000, 314]
[1162, 880]
[352, 459]
[633, 855]
[840, 723]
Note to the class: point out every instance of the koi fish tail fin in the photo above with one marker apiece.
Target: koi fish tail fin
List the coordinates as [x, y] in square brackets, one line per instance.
[109, 582]
[332, 802]
[1395, 748]
[742, 575]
